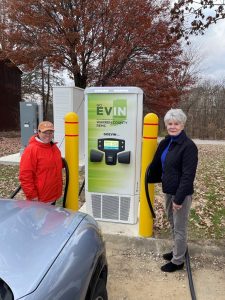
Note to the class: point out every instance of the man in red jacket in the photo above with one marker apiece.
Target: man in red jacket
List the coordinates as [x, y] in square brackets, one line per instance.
[41, 167]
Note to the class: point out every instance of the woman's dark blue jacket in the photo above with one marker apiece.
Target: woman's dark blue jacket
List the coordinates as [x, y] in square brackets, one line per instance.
[179, 169]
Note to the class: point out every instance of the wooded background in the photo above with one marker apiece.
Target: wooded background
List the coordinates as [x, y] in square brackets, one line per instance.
[205, 109]
[204, 106]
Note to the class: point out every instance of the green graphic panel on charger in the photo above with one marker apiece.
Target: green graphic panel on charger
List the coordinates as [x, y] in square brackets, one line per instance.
[108, 116]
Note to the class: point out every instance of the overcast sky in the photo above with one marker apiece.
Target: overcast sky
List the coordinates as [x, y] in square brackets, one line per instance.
[211, 47]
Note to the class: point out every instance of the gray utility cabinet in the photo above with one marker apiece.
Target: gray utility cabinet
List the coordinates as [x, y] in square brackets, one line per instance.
[28, 121]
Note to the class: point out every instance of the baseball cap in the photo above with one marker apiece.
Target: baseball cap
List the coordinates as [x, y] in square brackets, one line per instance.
[45, 125]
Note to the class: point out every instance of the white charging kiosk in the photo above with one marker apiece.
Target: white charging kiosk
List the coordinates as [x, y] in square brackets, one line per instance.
[113, 135]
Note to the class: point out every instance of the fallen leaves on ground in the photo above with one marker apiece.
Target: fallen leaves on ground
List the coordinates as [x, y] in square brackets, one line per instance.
[10, 143]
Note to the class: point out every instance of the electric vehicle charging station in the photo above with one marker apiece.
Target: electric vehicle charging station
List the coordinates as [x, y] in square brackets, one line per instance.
[113, 135]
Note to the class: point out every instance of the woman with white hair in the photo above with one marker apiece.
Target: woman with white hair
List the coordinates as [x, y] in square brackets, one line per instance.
[174, 164]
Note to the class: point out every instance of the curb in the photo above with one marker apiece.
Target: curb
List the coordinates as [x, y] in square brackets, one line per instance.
[204, 248]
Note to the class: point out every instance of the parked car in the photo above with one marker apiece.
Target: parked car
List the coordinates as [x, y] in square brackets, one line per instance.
[49, 252]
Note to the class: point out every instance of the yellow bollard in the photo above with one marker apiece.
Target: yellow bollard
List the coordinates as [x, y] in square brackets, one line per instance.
[149, 145]
[72, 158]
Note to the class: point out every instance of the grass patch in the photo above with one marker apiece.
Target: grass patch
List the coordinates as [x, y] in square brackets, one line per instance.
[194, 218]
[219, 224]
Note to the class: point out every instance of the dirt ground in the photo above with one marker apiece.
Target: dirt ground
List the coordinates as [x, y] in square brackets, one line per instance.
[134, 272]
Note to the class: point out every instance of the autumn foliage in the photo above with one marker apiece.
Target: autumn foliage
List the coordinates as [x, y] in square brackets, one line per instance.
[101, 42]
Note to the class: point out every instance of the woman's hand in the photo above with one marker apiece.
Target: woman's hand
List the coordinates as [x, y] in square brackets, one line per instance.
[176, 207]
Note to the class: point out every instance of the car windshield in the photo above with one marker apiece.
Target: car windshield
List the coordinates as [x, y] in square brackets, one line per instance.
[5, 291]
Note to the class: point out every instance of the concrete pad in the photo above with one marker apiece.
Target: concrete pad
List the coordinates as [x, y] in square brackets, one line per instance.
[129, 230]
[13, 159]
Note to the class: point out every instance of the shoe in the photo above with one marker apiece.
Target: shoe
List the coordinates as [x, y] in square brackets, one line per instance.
[170, 267]
[168, 256]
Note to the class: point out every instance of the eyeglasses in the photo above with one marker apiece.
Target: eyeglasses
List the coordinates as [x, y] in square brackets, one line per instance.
[47, 132]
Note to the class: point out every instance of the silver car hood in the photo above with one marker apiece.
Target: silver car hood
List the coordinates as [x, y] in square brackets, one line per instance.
[32, 235]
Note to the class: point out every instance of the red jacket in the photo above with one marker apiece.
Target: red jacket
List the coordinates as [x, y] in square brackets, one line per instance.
[41, 171]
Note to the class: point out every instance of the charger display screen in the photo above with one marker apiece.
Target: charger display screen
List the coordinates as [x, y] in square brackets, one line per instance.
[111, 145]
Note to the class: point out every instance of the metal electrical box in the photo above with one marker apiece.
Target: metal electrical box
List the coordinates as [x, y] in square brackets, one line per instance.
[68, 99]
[28, 121]
[113, 136]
